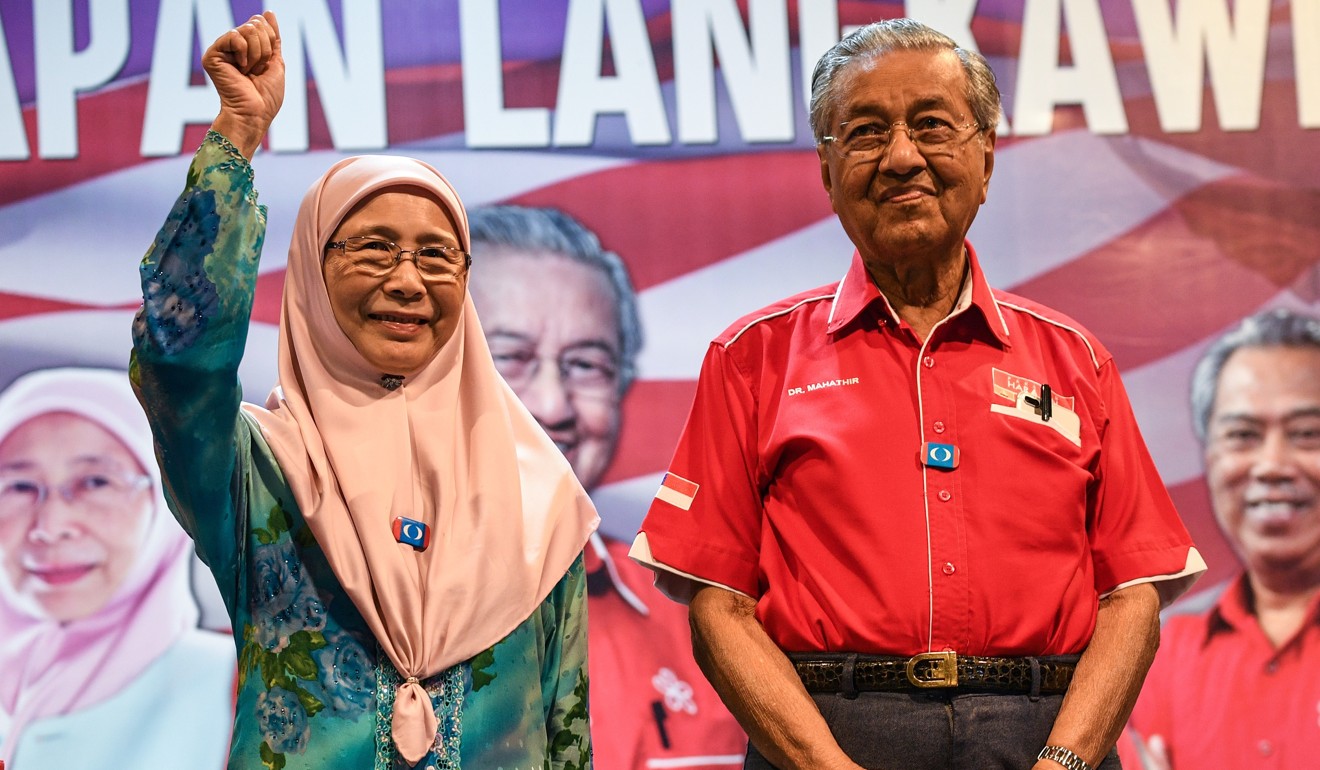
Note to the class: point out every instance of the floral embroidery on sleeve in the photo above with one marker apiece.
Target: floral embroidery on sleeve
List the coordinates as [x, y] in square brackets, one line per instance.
[178, 298]
[215, 220]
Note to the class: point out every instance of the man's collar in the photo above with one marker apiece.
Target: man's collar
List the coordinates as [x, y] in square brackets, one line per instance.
[856, 292]
[1233, 611]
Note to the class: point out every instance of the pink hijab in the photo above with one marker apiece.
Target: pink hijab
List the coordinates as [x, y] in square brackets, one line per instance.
[48, 668]
[452, 447]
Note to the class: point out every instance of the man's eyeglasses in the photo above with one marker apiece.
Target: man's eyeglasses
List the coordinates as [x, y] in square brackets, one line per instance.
[377, 257]
[865, 139]
[587, 370]
[86, 492]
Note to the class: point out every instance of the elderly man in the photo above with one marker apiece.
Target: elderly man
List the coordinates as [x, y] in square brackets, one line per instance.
[570, 356]
[1239, 685]
[904, 504]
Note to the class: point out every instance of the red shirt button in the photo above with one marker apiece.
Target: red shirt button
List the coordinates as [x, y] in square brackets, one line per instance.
[939, 426]
[946, 495]
[928, 362]
[948, 568]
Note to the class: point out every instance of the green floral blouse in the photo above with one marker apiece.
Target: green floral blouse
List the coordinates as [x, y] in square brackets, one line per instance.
[314, 689]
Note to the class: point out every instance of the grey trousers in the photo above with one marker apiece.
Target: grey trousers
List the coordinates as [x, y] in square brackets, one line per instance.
[938, 731]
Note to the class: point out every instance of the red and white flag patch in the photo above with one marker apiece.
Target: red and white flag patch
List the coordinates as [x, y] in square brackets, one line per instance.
[677, 491]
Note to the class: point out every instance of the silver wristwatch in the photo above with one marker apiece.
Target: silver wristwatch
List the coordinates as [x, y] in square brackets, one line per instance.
[1064, 757]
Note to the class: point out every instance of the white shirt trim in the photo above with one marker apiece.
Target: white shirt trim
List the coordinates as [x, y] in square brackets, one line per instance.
[1170, 587]
[776, 314]
[1095, 361]
[675, 583]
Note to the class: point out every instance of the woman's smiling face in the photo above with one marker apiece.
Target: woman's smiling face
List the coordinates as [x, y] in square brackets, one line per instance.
[399, 321]
[69, 553]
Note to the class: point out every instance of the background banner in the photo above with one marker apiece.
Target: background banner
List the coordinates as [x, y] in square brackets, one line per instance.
[1157, 174]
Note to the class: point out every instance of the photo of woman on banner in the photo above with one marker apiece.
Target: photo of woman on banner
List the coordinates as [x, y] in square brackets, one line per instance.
[102, 665]
[397, 541]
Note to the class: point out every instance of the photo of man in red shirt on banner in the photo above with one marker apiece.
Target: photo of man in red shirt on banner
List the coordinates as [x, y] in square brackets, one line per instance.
[569, 353]
[1238, 684]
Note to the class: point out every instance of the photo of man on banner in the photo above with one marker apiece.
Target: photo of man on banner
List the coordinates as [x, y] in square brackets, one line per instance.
[571, 354]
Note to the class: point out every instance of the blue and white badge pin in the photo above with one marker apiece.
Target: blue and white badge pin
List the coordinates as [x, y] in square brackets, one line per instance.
[942, 456]
[412, 532]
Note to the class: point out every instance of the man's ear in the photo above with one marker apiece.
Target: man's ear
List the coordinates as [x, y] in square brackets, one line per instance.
[826, 181]
[991, 137]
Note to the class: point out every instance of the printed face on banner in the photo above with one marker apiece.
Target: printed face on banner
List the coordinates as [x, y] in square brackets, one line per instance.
[911, 199]
[553, 330]
[398, 321]
[1263, 457]
[74, 510]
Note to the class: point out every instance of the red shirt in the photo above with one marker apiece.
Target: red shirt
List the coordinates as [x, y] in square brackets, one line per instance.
[803, 459]
[1221, 695]
[651, 707]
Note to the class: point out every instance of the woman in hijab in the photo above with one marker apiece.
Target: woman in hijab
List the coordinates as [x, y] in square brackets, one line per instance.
[397, 542]
[102, 665]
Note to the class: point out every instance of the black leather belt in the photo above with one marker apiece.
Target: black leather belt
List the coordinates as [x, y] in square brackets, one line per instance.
[850, 674]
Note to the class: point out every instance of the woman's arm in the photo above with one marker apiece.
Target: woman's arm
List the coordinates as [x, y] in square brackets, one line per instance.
[198, 279]
[564, 674]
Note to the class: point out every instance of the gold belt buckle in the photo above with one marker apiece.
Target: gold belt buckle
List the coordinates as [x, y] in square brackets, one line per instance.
[943, 674]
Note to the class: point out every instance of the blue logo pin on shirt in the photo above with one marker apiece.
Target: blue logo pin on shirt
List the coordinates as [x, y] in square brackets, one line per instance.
[942, 456]
[412, 532]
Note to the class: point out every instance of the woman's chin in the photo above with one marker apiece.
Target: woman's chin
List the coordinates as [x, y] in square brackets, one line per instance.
[66, 595]
[401, 358]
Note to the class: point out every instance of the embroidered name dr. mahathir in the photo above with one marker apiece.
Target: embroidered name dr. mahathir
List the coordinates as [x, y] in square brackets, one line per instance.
[824, 384]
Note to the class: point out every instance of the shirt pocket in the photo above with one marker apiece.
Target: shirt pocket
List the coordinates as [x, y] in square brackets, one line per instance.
[1063, 420]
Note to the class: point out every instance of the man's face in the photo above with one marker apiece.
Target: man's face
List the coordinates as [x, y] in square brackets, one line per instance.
[910, 202]
[553, 330]
[1262, 458]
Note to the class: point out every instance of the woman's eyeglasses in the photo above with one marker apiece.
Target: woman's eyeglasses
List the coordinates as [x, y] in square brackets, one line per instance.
[86, 492]
[378, 257]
